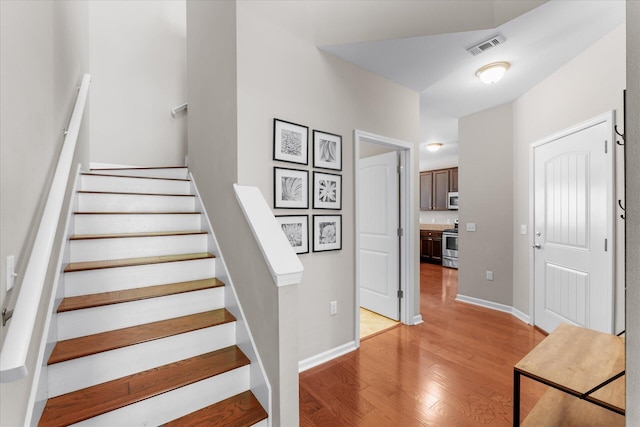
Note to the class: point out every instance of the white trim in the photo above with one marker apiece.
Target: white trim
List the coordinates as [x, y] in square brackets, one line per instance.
[326, 356]
[285, 266]
[97, 165]
[407, 222]
[494, 306]
[417, 319]
[609, 119]
[259, 381]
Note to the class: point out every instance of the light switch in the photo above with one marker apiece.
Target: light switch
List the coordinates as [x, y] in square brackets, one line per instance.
[523, 229]
[471, 226]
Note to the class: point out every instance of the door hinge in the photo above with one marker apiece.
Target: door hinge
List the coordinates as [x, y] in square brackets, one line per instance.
[606, 146]
[400, 232]
[400, 169]
[605, 244]
[400, 293]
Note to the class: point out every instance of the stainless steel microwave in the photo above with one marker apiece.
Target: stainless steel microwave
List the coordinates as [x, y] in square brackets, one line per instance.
[452, 200]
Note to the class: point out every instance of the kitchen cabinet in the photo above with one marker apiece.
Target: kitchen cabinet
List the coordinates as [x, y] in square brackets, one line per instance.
[435, 187]
[431, 246]
[426, 182]
[453, 179]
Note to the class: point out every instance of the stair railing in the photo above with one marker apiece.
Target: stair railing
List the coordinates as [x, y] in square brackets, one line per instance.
[13, 358]
[284, 265]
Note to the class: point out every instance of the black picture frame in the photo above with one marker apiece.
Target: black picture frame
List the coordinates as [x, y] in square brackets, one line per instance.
[327, 191]
[327, 150]
[290, 188]
[290, 142]
[327, 233]
[289, 225]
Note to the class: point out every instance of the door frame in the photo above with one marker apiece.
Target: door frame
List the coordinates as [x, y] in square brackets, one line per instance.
[408, 252]
[609, 119]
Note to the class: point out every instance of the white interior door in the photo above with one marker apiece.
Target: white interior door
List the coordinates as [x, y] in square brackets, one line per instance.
[378, 228]
[573, 242]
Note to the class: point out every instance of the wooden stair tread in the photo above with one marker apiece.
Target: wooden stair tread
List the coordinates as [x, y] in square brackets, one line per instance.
[137, 213]
[126, 295]
[110, 340]
[558, 409]
[127, 235]
[96, 400]
[240, 410]
[119, 193]
[140, 168]
[131, 262]
[134, 177]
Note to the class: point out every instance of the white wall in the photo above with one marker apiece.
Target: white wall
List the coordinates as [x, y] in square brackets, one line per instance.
[485, 173]
[632, 149]
[588, 85]
[138, 64]
[305, 85]
[43, 55]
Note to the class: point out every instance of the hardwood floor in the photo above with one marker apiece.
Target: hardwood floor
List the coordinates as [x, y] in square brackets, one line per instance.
[455, 369]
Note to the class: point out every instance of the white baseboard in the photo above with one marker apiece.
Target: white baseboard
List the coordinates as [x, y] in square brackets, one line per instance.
[98, 165]
[417, 319]
[494, 306]
[326, 356]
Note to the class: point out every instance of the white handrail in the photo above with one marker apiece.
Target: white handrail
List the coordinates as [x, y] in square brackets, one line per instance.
[13, 358]
[180, 107]
[286, 268]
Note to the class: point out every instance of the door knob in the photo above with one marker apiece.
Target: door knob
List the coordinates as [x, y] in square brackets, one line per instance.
[536, 246]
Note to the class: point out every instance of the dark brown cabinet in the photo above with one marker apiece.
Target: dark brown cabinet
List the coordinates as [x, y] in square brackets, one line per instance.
[431, 246]
[453, 179]
[426, 182]
[435, 187]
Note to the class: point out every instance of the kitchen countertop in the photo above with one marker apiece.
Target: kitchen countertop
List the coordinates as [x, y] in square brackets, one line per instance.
[436, 227]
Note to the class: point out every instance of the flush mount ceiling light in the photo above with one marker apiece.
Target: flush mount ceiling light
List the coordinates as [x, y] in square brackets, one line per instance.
[491, 73]
[434, 146]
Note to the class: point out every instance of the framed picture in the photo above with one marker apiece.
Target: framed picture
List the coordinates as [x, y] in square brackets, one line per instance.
[290, 142]
[296, 228]
[290, 188]
[327, 150]
[327, 233]
[327, 191]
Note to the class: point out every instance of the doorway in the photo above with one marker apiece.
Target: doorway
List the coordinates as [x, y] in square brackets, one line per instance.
[370, 145]
[574, 241]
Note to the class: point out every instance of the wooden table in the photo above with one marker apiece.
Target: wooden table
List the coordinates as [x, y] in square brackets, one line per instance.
[585, 369]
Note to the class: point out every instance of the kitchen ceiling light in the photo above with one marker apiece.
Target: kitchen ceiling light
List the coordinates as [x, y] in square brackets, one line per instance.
[433, 147]
[491, 73]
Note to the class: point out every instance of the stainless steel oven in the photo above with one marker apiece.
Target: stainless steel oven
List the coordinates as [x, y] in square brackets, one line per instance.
[450, 248]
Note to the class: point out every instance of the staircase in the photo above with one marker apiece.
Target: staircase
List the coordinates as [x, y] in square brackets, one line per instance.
[143, 336]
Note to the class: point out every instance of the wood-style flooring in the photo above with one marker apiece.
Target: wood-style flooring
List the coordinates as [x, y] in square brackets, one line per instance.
[453, 370]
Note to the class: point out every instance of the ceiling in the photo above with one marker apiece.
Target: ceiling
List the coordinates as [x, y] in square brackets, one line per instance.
[440, 68]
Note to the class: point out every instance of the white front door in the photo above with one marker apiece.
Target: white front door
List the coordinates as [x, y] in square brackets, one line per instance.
[378, 228]
[573, 242]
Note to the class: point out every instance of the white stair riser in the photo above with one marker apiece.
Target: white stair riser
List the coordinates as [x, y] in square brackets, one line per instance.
[135, 223]
[136, 247]
[78, 323]
[177, 403]
[65, 377]
[262, 423]
[133, 185]
[116, 279]
[176, 173]
[105, 202]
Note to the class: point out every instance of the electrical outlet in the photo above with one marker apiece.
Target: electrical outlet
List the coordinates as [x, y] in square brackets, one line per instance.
[334, 307]
[471, 226]
[489, 275]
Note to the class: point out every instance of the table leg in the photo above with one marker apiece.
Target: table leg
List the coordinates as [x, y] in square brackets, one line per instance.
[516, 398]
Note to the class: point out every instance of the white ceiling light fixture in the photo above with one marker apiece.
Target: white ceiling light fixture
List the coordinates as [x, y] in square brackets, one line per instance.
[492, 73]
[434, 146]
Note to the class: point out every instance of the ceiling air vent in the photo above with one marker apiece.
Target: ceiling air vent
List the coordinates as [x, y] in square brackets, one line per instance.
[487, 44]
